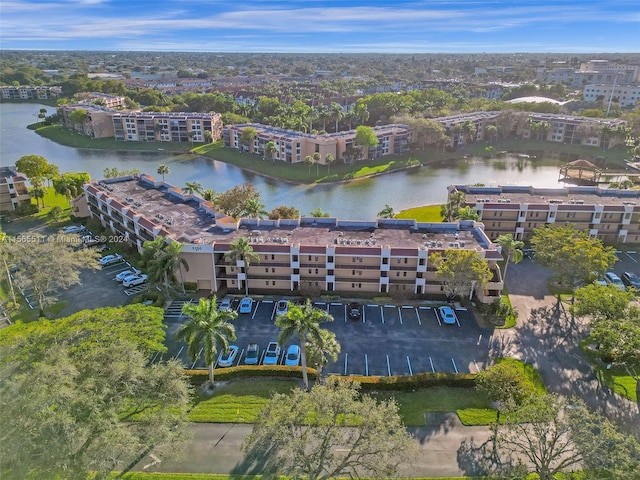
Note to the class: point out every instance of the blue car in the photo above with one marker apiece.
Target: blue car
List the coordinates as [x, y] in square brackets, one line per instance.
[447, 315]
[246, 304]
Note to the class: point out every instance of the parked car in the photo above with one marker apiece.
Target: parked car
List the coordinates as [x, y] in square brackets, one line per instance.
[246, 304]
[226, 359]
[293, 356]
[282, 307]
[447, 315]
[612, 279]
[354, 312]
[127, 273]
[529, 253]
[134, 280]
[253, 354]
[73, 229]
[631, 280]
[271, 354]
[110, 259]
[225, 304]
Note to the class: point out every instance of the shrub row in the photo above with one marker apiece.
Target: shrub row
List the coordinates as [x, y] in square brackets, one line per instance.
[401, 383]
[198, 377]
[419, 380]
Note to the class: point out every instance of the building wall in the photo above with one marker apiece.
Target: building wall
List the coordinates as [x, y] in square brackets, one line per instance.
[13, 189]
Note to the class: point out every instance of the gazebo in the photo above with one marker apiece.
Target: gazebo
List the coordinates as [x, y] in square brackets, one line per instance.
[581, 171]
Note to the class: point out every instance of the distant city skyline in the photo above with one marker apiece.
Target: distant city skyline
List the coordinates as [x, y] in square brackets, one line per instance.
[318, 26]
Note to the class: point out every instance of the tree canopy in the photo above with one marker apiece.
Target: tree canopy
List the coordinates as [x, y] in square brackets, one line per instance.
[571, 254]
[78, 395]
[36, 168]
[459, 270]
[302, 434]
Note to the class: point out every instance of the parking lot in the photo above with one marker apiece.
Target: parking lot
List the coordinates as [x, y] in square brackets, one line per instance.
[628, 261]
[388, 340]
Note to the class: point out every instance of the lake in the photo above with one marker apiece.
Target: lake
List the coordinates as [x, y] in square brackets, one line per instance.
[358, 200]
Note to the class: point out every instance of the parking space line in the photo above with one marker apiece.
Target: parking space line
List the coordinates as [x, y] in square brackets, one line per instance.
[477, 369]
[418, 316]
[273, 312]
[267, 301]
[198, 358]
[255, 311]
[437, 317]
[433, 370]
[372, 305]
[366, 365]
[455, 367]
[409, 364]
[363, 319]
[382, 314]
[346, 356]
[627, 253]
[154, 357]
[400, 315]
[345, 315]
[240, 357]
[457, 321]
[179, 352]
[388, 366]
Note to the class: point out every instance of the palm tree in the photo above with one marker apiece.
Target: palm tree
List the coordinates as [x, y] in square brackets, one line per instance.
[42, 115]
[38, 193]
[513, 249]
[62, 186]
[242, 251]
[207, 330]
[209, 195]
[162, 259]
[336, 113]
[269, 149]
[316, 160]
[456, 201]
[308, 161]
[329, 159]
[254, 208]
[304, 321]
[163, 170]
[322, 350]
[318, 213]
[192, 187]
[386, 212]
[247, 137]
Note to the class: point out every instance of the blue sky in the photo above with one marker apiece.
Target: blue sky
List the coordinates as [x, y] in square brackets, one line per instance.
[420, 26]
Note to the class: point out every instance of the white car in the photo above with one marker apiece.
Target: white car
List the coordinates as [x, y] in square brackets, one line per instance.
[613, 279]
[134, 280]
[282, 307]
[227, 358]
[127, 273]
[225, 304]
[74, 229]
[252, 355]
[271, 354]
[447, 315]
[246, 304]
[110, 259]
[293, 356]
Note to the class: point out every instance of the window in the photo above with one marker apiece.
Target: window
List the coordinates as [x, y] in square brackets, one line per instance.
[316, 271]
[406, 260]
[309, 271]
[421, 261]
[397, 260]
[295, 258]
[309, 257]
[273, 282]
[330, 259]
[404, 274]
[385, 261]
[273, 270]
[266, 270]
[273, 257]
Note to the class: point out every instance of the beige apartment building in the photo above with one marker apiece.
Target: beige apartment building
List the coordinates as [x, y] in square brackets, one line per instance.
[166, 126]
[387, 256]
[13, 189]
[29, 93]
[97, 122]
[293, 147]
[611, 215]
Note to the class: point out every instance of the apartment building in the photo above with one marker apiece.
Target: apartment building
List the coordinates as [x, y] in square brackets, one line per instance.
[13, 189]
[611, 215]
[594, 71]
[97, 123]
[627, 95]
[166, 126]
[325, 254]
[30, 93]
[293, 147]
[106, 100]
[458, 126]
[572, 129]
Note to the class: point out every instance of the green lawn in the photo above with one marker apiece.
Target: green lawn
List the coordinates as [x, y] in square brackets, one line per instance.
[530, 373]
[239, 401]
[52, 199]
[428, 213]
[615, 378]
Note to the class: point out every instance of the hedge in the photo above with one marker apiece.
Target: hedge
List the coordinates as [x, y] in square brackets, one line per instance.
[401, 382]
[419, 380]
[200, 376]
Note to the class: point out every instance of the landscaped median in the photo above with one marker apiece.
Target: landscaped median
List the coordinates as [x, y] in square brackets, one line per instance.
[241, 392]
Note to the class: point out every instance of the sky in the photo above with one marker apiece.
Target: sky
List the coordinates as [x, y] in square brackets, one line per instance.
[348, 26]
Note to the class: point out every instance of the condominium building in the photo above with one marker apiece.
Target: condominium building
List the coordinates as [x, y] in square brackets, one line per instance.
[97, 123]
[106, 100]
[293, 147]
[325, 254]
[627, 95]
[29, 93]
[457, 126]
[13, 189]
[166, 126]
[594, 71]
[611, 215]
